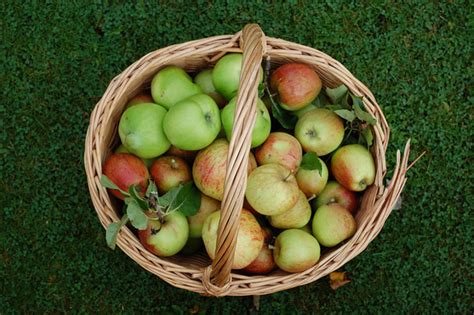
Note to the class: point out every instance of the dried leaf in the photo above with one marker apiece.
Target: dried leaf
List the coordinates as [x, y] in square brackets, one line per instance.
[338, 279]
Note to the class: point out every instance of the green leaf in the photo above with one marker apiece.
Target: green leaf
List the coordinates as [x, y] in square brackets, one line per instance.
[107, 183]
[358, 105]
[112, 231]
[311, 161]
[136, 196]
[368, 136]
[285, 119]
[188, 200]
[151, 189]
[337, 94]
[136, 215]
[165, 200]
[346, 114]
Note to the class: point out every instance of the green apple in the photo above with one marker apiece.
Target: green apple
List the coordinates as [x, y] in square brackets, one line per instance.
[296, 250]
[307, 228]
[122, 149]
[167, 238]
[172, 85]
[226, 75]
[141, 130]
[281, 148]
[208, 206]
[210, 166]
[336, 193]
[294, 218]
[249, 238]
[204, 80]
[310, 181]
[333, 224]
[353, 167]
[193, 123]
[262, 126]
[272, 189]
[140, 99]
[320, 131]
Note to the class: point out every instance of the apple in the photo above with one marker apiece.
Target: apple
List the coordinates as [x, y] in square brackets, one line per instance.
[249, 238]
[192, 246]
[296, 217]
[172, 85]
[320, 131]
[139, 99]
[187, 155]
[310, 181]
[124, 170]
[169, 172]
[122, 149]
[193, 123]
[141, 130]
[336, 193]
[353, 167]
[210, 166]
[272, 189]
[333, 224]
[208, 206]
[226, 75]
[296, 250]
[307, 229]
[300, 112]
[262, 126]
[281, 148]
[167, 238]
[204, 80]
[297, 85]
[264, 262]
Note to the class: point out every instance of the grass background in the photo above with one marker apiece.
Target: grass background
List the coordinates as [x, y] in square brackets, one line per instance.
[57, 60]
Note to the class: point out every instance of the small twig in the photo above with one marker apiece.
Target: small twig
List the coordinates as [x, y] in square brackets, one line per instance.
[416, 160]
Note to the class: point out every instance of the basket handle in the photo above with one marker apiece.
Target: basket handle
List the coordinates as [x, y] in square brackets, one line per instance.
[217, 276]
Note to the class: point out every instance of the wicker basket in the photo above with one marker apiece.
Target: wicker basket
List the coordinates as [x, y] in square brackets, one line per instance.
[197, 273]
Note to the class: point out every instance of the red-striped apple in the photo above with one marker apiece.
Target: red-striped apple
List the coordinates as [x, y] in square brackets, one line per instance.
[336, 193]
[281, 148]
[169, 172]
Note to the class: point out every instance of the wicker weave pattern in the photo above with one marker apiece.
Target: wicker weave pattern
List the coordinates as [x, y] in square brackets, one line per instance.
[197, 273]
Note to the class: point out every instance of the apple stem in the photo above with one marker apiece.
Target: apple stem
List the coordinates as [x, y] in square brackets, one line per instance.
[312, 197]
[287, 176]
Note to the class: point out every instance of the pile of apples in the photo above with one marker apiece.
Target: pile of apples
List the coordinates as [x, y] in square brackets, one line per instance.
[305, 169]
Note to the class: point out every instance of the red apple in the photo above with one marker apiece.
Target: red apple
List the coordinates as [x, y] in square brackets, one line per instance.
[124, 170]
[168, 172]
[184, 154]
[264, 262]
[336, 193]
[210, 166]
[281, 148]
[297, 85]
[140, 98]
[353, 167]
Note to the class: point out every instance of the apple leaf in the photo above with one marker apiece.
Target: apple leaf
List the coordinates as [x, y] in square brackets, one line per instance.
[151, 189]
[188, 200]
[345, 114]
[337, 94]
[112, 231]
[136, 196]
[107, 183]
[368, 136]
[285, 119]
[168, 198]
[311, 161]
[358, 105]
[136, 215]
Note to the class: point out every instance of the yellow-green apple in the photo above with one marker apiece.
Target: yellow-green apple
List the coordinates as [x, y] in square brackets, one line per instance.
[168, 172]
[333, 224]
[310, 181]
[294, 218]
[296, 250]
[297, 85]
[167, 238]
[262, 126]
[124, 170]
[187, 155]
[272, 189]
[320, 131]
[353, 167]
[249, 238]
[226, 75]
[300, 112]
[336, 193]
[264, 262]
[141, 130]
[172, 85]
[122, 149]
[307, 228]
[208, 206]
[140, 98]
[281, 148]
[193, 123]
[192, 246]
[204, 80]
[210, 166]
